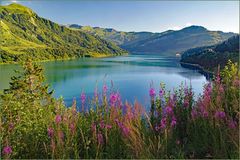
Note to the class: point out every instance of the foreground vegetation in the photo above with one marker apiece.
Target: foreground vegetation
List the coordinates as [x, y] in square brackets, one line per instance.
[35, 125]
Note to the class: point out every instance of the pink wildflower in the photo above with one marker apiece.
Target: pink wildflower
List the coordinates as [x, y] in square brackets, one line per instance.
[186, 103]
[58, 119]
[161, 93]
[205, 114]
[220, 114]
[50, 132]
[174, 122]
[83, 98]
[232, 124]
[102, 125]
[104, 89]
[194, 114]
[125, 130]
[163, 123]
[72, 127]
[113, 98]
[108, 126]
[100, 138]
[7, 150]
[169, 110]
[93, 127]
[152, 92]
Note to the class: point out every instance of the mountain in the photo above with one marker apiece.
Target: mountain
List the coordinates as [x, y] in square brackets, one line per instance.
[118, 37]
[209, 57]
[178, 41]
[24, 34]
[166, 43]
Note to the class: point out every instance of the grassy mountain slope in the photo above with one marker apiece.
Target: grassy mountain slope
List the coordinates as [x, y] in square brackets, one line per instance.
[209, 57]
[24, 34]
[165, 43]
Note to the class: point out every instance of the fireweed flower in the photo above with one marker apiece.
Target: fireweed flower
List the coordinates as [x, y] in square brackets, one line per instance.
[221, 89]
[220, 114]
[174, 122]
[205, 114]
[194, 113]
[83, 97]
[130, 115]
[232, 124]
[152, 92]
[7, 150]
[169, 110]
[58, 119]
[125, 130]
[113, 98]
[105, 89]
[207, 93]
[161, 93]
[72, 127]
[93, 127]
[108, 126]
[163, 123]
[50, 132]
[102, 125]
[186, 103]
[186, 90]
[100, 138]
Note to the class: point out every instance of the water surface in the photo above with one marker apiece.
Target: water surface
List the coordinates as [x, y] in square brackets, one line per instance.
[131, 76]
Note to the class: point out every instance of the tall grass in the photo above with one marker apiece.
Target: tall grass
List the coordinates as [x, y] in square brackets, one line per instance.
[35, 125]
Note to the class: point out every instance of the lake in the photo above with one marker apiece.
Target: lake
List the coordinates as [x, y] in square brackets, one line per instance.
[131, 75]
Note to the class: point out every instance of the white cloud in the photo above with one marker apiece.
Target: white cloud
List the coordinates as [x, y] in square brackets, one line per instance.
[188, 24]
[180, 27]
[174, 28]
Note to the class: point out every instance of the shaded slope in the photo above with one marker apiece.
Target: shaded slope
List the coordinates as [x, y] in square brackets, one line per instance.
[209, 57]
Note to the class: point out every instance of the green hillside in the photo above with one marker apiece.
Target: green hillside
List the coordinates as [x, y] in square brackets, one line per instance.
[26, 35]
[166, 43]
[209, 57]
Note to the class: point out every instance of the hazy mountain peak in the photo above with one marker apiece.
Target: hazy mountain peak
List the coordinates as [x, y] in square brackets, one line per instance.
[195, 28]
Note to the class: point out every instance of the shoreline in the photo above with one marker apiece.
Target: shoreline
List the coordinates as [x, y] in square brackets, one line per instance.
[66, 59]
[201, 69]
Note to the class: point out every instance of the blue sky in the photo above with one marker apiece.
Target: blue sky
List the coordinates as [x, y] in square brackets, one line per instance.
[154, 16]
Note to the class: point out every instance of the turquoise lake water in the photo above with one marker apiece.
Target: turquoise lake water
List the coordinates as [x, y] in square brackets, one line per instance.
[131, 76]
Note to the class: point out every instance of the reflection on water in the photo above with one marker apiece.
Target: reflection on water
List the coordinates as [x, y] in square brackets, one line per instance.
[131, 76]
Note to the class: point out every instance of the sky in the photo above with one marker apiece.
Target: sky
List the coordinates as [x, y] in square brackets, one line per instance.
[153, 16]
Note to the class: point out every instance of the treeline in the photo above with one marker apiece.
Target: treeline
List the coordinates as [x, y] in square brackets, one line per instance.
[210, 57]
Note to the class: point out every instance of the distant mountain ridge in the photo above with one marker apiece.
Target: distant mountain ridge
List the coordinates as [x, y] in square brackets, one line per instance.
[26, 35]
[166, 43]
[209, 57]
[110, 34]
